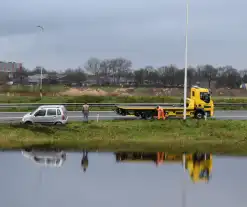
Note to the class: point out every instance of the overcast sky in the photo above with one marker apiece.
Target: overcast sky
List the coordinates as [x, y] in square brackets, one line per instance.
[144, 31]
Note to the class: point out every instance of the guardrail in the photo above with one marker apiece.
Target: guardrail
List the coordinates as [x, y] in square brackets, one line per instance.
[33, 105]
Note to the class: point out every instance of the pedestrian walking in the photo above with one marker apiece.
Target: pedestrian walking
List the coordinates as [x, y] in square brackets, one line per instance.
[85, 111]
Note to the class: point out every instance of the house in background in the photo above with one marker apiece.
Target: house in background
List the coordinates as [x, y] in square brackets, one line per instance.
[35, 79]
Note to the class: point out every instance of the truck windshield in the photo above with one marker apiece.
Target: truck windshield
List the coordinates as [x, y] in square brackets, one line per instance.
[205, 96]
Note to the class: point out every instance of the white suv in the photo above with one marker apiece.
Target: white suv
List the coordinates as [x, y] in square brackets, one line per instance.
[47, 114]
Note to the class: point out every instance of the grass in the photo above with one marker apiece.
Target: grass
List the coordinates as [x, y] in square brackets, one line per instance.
[175, 136]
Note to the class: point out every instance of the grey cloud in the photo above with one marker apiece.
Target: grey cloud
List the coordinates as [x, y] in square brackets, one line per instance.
[147, 32]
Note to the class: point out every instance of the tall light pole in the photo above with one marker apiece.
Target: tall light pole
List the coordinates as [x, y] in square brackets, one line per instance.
[186, 57]
[41, 68]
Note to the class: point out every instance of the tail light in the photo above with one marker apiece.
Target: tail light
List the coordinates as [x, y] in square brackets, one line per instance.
[63, 117]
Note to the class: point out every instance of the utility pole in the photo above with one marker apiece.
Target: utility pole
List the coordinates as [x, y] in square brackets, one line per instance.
[41, 70]
[186, 57]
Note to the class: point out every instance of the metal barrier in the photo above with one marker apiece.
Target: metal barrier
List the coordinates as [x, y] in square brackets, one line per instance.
[33, 105]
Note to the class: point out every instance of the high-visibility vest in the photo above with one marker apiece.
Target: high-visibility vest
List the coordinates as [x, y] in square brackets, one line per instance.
[160, 109]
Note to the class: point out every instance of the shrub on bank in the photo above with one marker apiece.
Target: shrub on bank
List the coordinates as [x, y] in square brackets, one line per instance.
[215, 136]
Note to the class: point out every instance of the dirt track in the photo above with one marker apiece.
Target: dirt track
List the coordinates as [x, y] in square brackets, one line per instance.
[224, 92]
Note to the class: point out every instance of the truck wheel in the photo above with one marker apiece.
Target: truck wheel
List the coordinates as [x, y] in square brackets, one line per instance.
[118, 111]
[143, 116]
[207, 156]
[123, 112]
[136, 114]
[146, 116]
[199, 115]
[198, 157]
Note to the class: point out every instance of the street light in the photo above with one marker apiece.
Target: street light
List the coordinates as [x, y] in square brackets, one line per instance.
[186, 57]
[41, 68]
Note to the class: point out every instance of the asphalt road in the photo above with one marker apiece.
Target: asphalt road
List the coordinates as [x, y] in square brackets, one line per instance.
[109, 115]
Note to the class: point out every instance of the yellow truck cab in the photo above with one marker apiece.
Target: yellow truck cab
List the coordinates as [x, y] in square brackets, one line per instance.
[202, 99]
[198, 165]
[199, 105]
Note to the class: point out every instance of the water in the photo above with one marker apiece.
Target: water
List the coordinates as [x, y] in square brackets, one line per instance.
[106, 182]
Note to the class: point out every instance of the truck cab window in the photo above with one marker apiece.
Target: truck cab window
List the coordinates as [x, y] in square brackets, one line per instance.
[204, 96]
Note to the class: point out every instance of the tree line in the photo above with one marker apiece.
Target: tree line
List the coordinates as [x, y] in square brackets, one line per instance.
[120, 70]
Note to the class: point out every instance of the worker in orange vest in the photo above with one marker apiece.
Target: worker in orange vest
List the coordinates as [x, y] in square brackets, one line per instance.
[161, 113]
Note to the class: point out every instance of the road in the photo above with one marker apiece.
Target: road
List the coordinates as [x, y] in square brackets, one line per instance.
[109, 115]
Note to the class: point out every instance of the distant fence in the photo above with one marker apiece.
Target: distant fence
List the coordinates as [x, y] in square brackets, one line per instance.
[34, 105]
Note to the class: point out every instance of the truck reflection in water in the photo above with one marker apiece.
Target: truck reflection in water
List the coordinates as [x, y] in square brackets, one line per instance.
[45, 158]
[198, 165]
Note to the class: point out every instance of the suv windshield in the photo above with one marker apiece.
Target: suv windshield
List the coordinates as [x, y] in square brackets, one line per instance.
[205, 96]
[32, 112]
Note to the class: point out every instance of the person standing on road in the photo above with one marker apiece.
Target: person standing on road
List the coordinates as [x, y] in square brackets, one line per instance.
[85, 111]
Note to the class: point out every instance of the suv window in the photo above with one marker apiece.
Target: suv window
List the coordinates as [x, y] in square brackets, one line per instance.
[51, 112]
[58, 112]
[40, 112]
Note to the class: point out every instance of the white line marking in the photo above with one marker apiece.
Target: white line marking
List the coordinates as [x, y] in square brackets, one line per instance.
[118, 116]
[25, 112]
[232, 116]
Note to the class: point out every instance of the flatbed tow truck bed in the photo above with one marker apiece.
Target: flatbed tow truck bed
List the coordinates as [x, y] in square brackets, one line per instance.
[148, 108]
[146, 112]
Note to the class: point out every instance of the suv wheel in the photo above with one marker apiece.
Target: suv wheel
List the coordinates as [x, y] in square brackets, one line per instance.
[28, 123]
[58, 123]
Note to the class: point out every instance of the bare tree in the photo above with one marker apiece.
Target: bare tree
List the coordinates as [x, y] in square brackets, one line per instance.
[93, 67]
[210, 73]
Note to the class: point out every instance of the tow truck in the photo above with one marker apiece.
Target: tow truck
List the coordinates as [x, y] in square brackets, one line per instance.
[198, 165]
[198, 106]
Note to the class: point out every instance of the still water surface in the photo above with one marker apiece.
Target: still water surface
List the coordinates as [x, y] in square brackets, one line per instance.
[106, 182]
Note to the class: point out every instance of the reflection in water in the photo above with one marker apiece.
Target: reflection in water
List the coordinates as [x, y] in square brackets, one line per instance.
[199, 165]
[46, 158]
[116, 179]
[84, 160]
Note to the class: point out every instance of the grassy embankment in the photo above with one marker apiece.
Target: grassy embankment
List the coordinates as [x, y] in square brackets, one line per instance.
[103, 99]
[215, 136]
